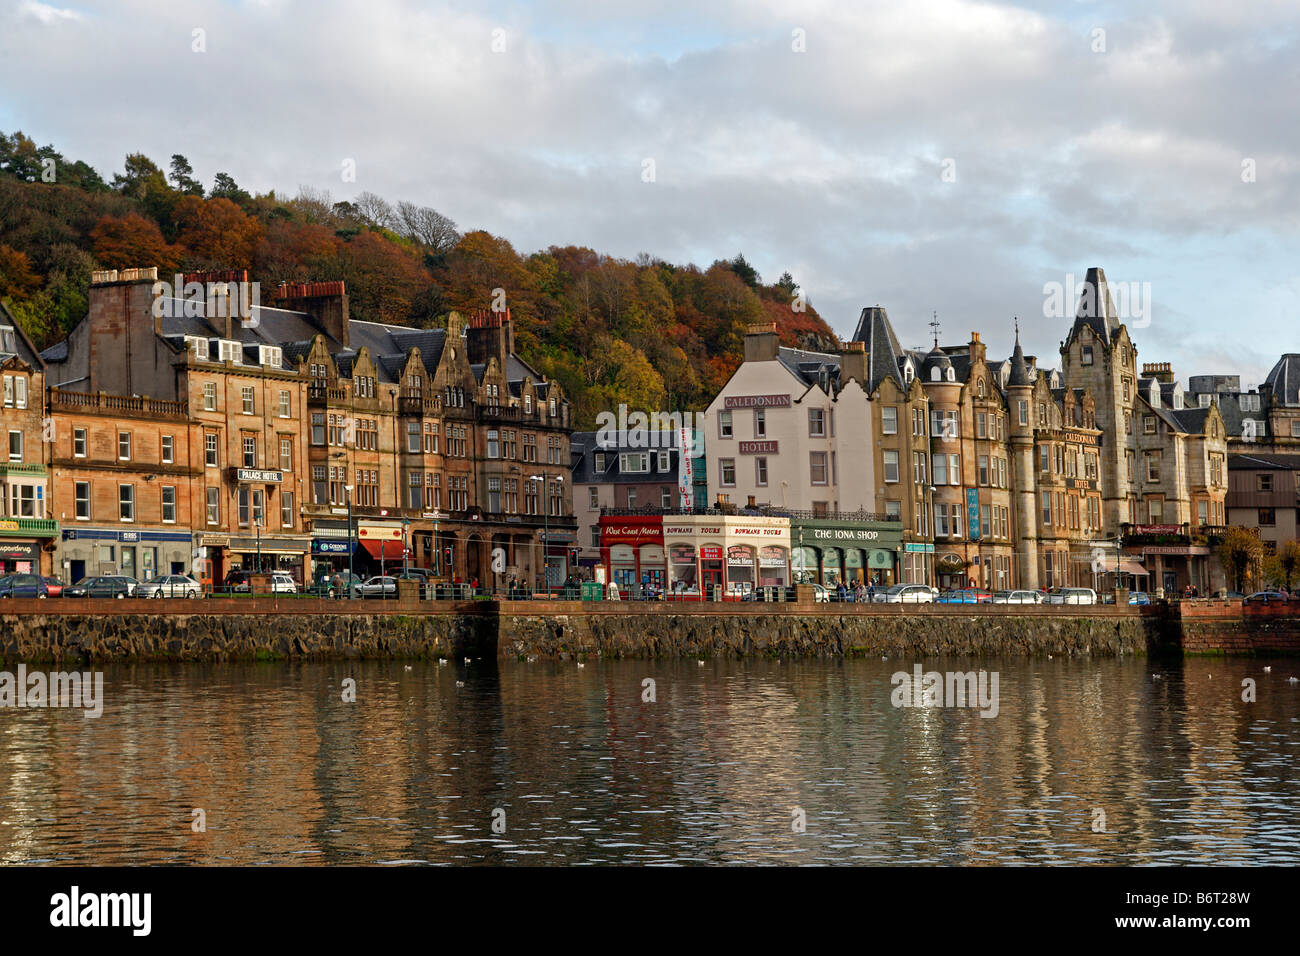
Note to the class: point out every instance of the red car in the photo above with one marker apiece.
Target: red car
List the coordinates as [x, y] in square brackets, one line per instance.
[53, 586]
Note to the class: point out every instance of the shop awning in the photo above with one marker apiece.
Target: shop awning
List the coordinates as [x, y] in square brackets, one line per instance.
[1132, 567]
[392, 550]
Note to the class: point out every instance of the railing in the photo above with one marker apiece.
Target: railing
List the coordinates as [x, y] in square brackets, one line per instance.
[832, 515]
[322, 393]
[23, 469]
[416, 405]
[35, 527]
[129, 404]
[759, 512]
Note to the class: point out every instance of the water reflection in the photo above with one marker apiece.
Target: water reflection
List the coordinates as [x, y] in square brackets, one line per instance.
[585, 772]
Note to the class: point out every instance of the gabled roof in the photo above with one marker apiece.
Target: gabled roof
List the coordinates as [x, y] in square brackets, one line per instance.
[807, 366]
[1264, 462]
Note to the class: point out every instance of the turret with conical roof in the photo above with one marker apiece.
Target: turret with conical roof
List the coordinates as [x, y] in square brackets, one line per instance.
[1020, 391]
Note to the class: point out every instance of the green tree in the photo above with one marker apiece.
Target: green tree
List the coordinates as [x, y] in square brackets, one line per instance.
[182, 175]
[1283, 567]
[225, 187]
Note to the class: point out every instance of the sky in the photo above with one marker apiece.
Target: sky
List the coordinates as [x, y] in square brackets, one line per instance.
[934, 156]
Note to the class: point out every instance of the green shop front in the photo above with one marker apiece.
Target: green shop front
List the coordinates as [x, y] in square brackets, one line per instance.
[829, 551]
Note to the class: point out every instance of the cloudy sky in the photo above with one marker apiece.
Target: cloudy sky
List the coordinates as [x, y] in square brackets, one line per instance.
[943, 156]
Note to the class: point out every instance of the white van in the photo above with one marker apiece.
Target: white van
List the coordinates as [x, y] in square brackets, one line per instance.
[1072, 596]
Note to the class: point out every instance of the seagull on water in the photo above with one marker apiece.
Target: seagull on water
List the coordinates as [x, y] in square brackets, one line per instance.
[1293, 680]
[460, 683]
[701, 663]
[581, 665]
[1268, 669]
[467, 660]
[442, 661]
[407, 667]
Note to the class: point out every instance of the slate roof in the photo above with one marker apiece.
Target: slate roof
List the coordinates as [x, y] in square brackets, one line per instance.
[884, 354]
[1284, 379]
[1264, 462]
[807, 366]
[1096, 307]
[583, 447]
[1019, 367]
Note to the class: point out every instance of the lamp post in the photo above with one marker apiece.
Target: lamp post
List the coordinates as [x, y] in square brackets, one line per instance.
[348, 491]
[545, 526]
[405, 524]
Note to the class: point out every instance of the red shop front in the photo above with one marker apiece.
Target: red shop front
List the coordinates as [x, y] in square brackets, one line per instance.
[632, 550]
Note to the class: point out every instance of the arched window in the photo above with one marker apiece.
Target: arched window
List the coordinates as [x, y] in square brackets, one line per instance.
[934, 373]
[980, 388]
[950, 375]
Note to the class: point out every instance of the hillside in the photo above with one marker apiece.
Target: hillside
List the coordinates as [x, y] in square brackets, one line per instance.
[648, 333]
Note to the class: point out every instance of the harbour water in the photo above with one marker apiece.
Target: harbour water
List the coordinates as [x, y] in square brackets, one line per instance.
[546, 763]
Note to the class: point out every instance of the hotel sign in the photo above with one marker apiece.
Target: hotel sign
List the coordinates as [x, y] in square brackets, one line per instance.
[258, 475]
[758, 448]
[756, 401]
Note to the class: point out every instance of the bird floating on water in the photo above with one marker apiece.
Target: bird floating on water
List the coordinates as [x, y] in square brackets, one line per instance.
[407, 667]
[1293, 680]
[467, 660]
[460, 683]
[1155, 677]
[701, 663]
[442, 661]
[1267, 669]
[581, 665]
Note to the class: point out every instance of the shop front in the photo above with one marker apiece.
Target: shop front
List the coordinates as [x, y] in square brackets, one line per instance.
[20, 557]
[269, 553]
[143, 555]
[727, 555]
[830, 551]
[381, 546]
[632, 550]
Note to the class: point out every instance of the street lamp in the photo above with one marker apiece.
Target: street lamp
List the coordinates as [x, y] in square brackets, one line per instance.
[405, 524]
[546, 534]
[348, 490]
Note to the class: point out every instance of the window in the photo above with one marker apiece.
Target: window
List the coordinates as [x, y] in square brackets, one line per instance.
[954, 470]
[214, 505]
[412, 437]
[631, 496]
[286, 509]
[760, 423]
[894, 510]
[1263, 482]
[9, 391]
[415, 489]
[1267, 517]
[1148, 424]
[126, 502]
[124, 446]
[940, 469]
[1202, 511]
[818, 467]
[168, 449]
[1153, 466]
[593, 501]
[941, 516]
[259, 517]
[20, 391]
[246, 394]
[286, 454]
[318, 486]
[318, 428]
[493, 445]
[816, 423]
[242, 498]
[600, 461]
[981, 425]
[891, 466]
[634, 463]
[83, 500]
[889, 420]
[209, 396]
[983, 469]
[78, 443]
[15, 446]
[1295, 428]
[168, 504]
[250, 451]
[595, 536]
[1087, 355]
[1156, 510]
[724, 424]
[727, 472]
[284, 403]
[1024, 412]
[210, 450]
[760, 472]
[665, 462]
[1047, 508]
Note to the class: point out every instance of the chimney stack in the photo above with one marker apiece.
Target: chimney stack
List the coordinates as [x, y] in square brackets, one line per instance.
[325, 302]
[853, 363]
[761, 342]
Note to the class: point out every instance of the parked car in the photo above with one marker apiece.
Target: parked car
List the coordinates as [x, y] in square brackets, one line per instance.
[54, 586]
[380, 586]
[170, 586]
[1267, 597]
[907, 594]
[1017, 597]
[965, 596]
[282, 582]
[777, 592]
[1140, 598]
[23, 586]
[1072, 596]
[821, 594]
[419, 576]
[237, 580]
[104, 586]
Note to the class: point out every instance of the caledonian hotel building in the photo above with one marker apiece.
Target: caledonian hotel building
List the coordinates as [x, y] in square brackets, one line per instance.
[187, 438]
[999, 473]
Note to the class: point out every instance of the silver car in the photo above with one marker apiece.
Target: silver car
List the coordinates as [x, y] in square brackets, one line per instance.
[172, 585]
[907, 594]
[1017, 597]
[1072, 596]
[378, 586]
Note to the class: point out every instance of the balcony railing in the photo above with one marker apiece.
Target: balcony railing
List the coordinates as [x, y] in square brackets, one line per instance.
[7, 468]
[133, 405]
[326, 393]
[29, 527]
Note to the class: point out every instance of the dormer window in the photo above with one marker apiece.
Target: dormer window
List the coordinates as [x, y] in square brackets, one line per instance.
[979, 388]
[908, 373]
[198, 347]
[230, 351]
[600, 462]
[271, 355]
[950, 375]
[8, 339]
[1087, 355]
[935, 373]
[528, 404]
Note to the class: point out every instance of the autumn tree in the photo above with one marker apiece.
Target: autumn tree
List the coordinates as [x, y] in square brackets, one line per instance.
[130, 241]
[426, 226]
[215, 233]
[1283, 567]
[17, 280]
[1239, 551]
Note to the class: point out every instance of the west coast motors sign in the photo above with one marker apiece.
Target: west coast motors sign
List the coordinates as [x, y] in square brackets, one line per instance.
[627, 532]
[756, 401]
